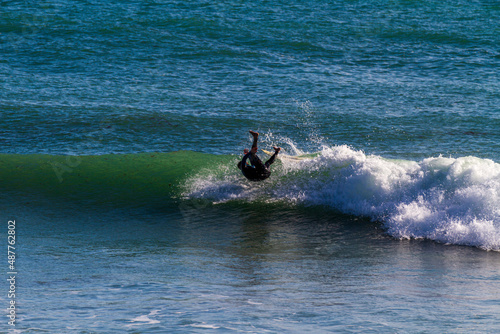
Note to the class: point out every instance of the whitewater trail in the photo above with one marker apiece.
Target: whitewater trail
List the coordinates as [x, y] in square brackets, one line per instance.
[450, 200]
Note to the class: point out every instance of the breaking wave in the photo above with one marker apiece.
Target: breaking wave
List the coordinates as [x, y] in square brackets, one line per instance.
[449, 200]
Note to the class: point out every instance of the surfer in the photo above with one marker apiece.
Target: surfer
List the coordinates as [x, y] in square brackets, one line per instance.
[255, 170]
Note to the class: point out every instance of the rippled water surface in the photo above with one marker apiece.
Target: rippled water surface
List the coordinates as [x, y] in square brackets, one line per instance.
[121, 123]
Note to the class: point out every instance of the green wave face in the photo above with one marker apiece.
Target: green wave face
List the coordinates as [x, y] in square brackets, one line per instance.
[128, 179]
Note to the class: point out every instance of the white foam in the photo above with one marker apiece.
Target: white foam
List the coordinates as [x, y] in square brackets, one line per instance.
[253, 303]
[455, 201]
[144, 319]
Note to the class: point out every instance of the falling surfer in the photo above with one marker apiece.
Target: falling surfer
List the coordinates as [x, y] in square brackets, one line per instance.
[251, 166]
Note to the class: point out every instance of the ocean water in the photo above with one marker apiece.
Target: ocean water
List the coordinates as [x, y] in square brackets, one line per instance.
[121, 124]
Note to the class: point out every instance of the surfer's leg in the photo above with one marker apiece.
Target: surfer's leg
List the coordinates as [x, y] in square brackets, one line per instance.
[255, 160]
[255, 137]
[273, 157]
[271, 160]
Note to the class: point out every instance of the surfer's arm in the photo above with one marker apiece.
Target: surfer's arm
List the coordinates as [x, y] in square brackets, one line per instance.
[244, 160]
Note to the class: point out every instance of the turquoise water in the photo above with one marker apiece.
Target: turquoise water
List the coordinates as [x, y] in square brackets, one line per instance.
[121, 124]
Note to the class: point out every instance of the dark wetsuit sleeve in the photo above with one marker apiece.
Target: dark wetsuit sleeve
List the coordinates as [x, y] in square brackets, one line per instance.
[244, 161]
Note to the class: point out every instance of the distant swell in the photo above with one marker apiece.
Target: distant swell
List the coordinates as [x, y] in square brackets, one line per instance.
[453, 201]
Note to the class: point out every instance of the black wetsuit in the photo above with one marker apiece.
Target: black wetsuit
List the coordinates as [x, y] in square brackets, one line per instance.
[257, 171]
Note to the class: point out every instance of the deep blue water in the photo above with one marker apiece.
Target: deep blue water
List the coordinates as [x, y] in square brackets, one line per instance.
[390, 224]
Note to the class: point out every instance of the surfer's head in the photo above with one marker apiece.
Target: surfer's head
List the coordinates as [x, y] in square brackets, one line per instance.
[254, 149]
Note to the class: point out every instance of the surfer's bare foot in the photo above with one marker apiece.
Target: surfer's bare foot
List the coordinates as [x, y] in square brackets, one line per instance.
[276, 149]
[254, 134]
